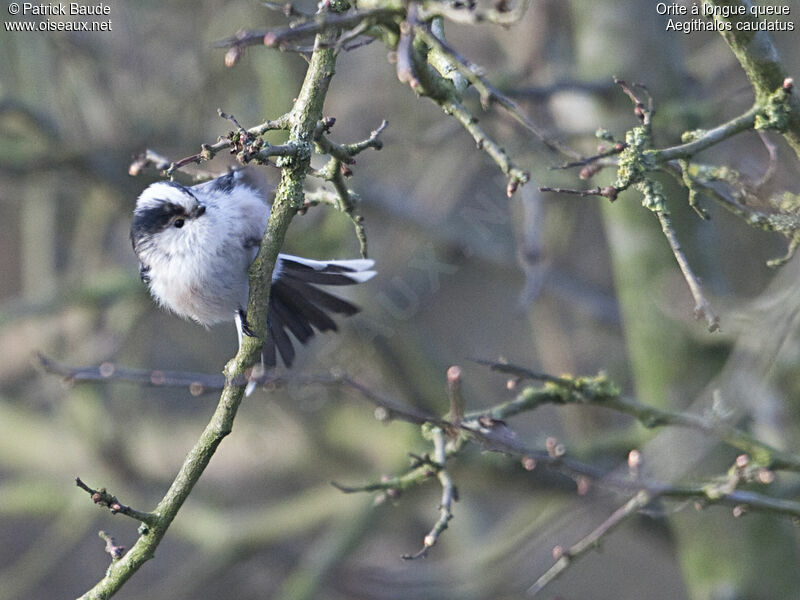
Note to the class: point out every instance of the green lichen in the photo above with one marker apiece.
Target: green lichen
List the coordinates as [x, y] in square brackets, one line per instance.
[693, 135]
[776, 112]
[653, 196]
[597, 388]
[634, 161]
[603, 134]
[787, 203]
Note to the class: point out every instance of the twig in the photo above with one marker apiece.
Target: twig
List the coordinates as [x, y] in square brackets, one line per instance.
[709, 138]
[406, 71]
[209, 151]
[288, 9]
[449, 495]
[608, 191]
[148, 158]
[566, 557]
[116, 552]
[702, 308]
[422, 468]
[346, 152]
[335, 172]
[516, 176]
[772, 163]
[488, 93]
[198, 383]
[321, 24]
[522, 372]
[581, 162]
[600, 391]
[102, 497]
[456, 399]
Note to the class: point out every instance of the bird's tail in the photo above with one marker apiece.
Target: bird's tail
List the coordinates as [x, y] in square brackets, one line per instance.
[300, 308]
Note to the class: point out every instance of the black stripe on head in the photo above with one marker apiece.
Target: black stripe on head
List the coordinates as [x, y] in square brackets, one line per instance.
[154, 219]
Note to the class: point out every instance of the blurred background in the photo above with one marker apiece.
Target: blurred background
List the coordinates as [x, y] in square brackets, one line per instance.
[557, 283]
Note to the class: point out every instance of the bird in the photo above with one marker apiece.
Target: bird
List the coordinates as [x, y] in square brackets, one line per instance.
[195, 245]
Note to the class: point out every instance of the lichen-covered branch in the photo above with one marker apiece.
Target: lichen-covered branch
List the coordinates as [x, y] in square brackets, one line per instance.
[599, 391]
[638, 163]
[301, 122]
[761, 62]
[424, 60]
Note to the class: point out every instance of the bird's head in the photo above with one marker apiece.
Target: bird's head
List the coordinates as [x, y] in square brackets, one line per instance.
[165, 213]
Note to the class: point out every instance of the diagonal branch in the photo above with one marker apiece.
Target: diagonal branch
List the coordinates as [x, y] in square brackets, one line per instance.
[303, 118]
[566, 557]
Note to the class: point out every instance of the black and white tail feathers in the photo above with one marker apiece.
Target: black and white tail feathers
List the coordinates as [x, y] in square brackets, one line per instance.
[299, 307]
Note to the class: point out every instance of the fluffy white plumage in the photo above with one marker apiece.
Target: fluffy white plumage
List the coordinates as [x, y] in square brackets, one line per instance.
[195, 245]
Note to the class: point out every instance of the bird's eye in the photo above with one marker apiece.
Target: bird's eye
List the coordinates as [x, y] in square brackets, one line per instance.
[179, 223]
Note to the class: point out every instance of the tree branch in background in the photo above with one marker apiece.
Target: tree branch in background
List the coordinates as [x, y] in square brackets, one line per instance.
[424, 60]
[637, 161]
[761, 63]
[449, 495]
[488, 429]
[565, 558]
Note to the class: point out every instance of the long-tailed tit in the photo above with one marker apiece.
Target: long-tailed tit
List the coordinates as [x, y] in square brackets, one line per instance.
[195, 245]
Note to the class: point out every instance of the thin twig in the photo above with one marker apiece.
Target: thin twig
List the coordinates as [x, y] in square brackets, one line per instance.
[449, 495]
[581, 162]
[321, 24]
[102, 497]
[454, 395]
[702, 308]
[608, 191]
[772, 163]
[566, 557]
[406, 71]
[209, 151]
[112, 549]
[600, 391]
[488, 93]
[708, 138]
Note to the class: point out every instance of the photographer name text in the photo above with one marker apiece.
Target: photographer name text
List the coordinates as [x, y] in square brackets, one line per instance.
[59, 8]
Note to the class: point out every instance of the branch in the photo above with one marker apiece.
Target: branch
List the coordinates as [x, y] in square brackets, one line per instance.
[600, 391]
[303, 118]
[488, 93]
[566, 557]
[469, 13]
[761, 62]
[417, 68]
[449, 494]
[335, 172]
[101, 496]
[207, 151]
[702, 308]
[323, 23]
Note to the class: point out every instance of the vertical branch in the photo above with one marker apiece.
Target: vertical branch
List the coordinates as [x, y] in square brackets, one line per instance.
[289, 197]
[761, 62]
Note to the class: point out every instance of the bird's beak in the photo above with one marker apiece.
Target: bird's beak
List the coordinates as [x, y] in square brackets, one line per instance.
[197, 211]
